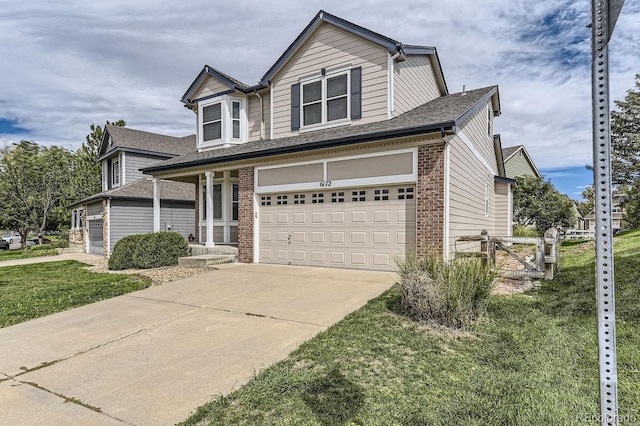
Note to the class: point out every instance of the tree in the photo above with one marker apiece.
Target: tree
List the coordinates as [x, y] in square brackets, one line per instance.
[32, 179]
[538, 203]
[625, 144]
[585, 207]
[86, 172]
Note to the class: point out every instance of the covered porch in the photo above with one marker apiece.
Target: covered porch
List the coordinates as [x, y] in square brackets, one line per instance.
[216, 209]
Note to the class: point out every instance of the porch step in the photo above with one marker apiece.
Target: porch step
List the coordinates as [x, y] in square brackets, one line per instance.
[199, 250]
[71, 249]
[206, 260]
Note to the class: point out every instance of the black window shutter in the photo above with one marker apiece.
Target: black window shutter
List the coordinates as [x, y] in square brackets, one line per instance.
[295, 106]
[356, 93]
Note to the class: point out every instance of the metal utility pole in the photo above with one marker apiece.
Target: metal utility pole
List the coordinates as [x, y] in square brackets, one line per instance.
[604, 14]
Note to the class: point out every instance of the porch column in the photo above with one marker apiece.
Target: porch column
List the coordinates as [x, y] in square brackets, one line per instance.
[227, 197]
[156, 205]
[209, 206]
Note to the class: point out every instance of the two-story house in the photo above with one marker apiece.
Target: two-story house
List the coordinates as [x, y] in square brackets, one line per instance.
[125, 204]
[349, 152]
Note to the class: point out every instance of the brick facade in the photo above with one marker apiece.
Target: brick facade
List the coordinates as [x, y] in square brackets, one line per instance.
[430, 199]
[245, 214]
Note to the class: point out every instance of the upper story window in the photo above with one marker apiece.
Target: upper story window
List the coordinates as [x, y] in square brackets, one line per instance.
[115, 172]
[222, 121]
[334, 98]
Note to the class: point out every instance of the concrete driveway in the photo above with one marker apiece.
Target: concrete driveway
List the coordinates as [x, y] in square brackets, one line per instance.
[153, 356]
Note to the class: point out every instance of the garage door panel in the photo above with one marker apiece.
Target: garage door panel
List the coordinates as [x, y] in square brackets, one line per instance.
[358, 232]
[358, 237]
[338, 237]
[380, 238]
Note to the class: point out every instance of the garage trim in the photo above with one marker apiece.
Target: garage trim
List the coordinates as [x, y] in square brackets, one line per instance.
[342, 183]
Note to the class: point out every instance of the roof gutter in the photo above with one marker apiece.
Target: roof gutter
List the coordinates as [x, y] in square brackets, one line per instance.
[441, 128]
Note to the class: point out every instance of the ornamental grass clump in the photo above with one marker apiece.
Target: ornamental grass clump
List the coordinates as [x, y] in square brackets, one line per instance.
[453, 294]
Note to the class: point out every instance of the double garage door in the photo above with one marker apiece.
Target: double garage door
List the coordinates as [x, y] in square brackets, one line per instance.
[357, 228]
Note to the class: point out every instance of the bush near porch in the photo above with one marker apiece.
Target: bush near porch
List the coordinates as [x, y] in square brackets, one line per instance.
[146, 251]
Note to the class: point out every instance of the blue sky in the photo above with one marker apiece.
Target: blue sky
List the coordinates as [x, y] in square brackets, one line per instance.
[569, 180]
[70, 63]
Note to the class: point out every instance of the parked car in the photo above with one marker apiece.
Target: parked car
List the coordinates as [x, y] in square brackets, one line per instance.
[12, 238]
[35, 240]
[4, 245]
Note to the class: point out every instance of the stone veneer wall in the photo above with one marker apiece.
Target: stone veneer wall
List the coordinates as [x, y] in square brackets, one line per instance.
[245, 214]
[105, 227]
[430, 199]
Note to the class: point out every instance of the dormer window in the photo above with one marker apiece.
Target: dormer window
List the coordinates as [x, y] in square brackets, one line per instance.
[332, 99]
[222, 121]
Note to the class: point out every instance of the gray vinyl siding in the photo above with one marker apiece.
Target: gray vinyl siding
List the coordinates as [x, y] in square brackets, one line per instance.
[332, 47]
[136, 217]
[414, 83]
[134, 162]
[94, 208]
[518, 165]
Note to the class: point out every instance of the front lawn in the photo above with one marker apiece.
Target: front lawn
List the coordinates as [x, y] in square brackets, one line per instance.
[532, 361]
[36, 251]
[39, 289]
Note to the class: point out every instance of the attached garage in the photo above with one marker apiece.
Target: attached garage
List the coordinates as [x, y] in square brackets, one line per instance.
[347, 222]
[358, 228]
[96, 245]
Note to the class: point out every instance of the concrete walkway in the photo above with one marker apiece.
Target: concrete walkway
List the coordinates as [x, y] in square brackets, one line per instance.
[80, 257]
[153, 356]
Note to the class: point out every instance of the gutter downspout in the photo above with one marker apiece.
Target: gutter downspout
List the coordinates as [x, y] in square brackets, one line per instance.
[447, 194]
[255, 92]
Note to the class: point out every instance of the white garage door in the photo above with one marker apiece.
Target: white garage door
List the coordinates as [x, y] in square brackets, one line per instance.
[359, 228]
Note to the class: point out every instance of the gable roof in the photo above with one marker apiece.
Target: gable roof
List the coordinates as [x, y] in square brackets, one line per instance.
[510, 151]
[131, 140]
[439, 115]
[232, 83]
[142, 189]
[393, 46]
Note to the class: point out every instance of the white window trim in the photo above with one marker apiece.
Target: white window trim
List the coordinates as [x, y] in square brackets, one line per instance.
[114, 161]
[324, 124]
[486, 199]
[226, 221]
[226, 109]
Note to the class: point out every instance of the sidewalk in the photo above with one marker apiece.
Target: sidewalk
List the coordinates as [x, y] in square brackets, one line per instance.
[91, 259]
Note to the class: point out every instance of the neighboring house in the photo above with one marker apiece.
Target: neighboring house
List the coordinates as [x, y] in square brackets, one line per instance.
[350, 152]
[579, 222]
[125, 205]
[517, 162]
[617, 214]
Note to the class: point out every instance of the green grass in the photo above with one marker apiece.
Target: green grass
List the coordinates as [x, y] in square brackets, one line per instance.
[37, 251]
[532, 361]
[39, 289]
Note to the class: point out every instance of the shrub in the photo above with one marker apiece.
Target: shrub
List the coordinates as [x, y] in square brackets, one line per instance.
[122, 256]
[153, 250]
[525, 231]
[453, 294]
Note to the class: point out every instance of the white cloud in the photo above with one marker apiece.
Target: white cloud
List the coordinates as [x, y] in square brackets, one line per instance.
[68, 64]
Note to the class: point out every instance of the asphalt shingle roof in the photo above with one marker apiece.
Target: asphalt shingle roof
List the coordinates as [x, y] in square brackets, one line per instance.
[143, 189]
[510, 150]
[153, 142]
[445, 111]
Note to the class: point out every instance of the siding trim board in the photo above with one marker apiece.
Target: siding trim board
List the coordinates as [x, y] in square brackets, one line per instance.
[475, 153]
